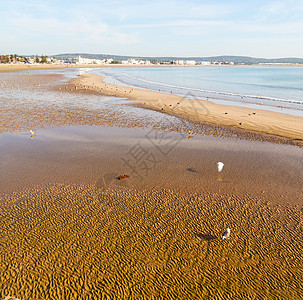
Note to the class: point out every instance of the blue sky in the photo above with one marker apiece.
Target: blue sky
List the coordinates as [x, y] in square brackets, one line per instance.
[153, 28]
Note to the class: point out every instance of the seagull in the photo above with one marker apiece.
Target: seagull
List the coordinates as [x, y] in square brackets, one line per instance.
[220, 166]
[226, 234]
[32, 132]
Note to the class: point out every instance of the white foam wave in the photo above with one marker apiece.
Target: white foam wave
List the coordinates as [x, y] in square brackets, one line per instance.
[294, 101]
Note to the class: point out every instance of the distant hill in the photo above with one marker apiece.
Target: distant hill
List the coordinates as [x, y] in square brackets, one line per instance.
[227, 59]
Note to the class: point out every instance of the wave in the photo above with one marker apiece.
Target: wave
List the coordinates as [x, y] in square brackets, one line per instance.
[294, 101]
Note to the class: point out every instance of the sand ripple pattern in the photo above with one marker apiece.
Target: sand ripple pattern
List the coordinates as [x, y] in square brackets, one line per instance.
[79, 242]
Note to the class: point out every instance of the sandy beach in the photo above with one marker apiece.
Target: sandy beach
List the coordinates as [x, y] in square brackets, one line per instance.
[71, 230]
[154, 244]
[24, 67]
[274, 124]
[28, 67]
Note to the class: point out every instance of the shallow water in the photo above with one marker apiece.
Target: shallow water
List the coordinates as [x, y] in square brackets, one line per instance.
[163, 154]
[29, 101]
[276, 89]
[278, 96]
[97, 155]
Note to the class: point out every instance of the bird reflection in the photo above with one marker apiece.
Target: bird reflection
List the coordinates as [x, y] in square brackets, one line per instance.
[33, 134]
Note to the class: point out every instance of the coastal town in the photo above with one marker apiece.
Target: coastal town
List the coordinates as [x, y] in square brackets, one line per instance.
[102, 60]
[16, 59]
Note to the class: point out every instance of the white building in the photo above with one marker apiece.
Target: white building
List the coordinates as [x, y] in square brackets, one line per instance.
[133, 61]
[185, 62]
[87, 61]
[205, 63]
[190, 62]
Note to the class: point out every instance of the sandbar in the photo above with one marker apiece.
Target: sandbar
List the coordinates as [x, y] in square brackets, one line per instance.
[289, 128]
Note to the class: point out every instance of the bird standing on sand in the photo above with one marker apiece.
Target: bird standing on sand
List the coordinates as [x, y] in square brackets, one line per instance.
[226, 234]
[220, 166]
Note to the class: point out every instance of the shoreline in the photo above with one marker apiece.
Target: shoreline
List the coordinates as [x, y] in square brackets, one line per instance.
[25, 67]
[283, 126]
[70, 226]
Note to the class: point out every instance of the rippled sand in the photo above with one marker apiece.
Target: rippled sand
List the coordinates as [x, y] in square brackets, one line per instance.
[63, 242]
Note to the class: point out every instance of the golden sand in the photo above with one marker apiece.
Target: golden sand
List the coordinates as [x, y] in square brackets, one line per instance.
[269, 123]
[82, 241]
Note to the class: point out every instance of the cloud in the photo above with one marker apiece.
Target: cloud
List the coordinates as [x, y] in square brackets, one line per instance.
[164, 10]
[283, 28]
[210, 11]
[143, 26]
[80, 28]
[280, 9]
[178, 23]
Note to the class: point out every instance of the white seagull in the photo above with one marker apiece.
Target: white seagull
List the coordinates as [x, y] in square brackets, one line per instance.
[220, 166]
[226, 234]
[32, 132]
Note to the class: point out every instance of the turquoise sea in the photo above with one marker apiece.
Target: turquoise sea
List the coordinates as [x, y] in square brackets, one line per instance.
[265, 87]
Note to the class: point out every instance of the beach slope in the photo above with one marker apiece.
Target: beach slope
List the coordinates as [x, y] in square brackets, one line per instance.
[280, 125]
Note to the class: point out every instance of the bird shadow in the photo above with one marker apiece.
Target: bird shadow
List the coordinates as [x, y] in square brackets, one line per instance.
[206, 237]
[192, 170]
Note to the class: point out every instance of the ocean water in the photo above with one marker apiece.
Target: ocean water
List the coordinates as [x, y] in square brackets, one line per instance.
[265, 87]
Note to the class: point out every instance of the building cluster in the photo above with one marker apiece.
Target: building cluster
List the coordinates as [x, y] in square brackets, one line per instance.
[88, 61]
[201, 63]
[106, 61]
[133, 61]
[185, 62]
[16, 59]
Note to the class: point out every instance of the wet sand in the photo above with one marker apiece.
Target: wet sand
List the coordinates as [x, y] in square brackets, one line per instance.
[56, 103]
[76, 242]
[70, 230]
[280, 125]
[152, 158]
[29, 67]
